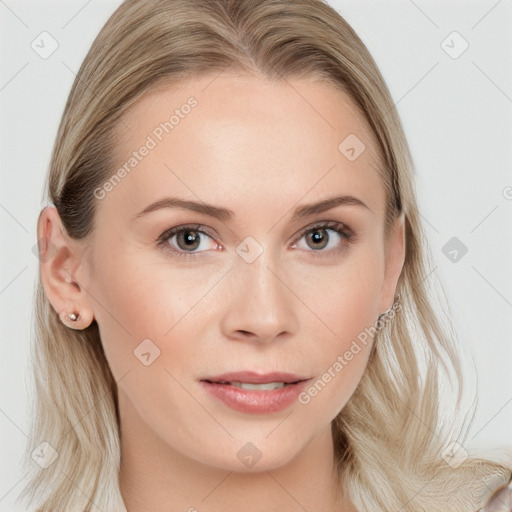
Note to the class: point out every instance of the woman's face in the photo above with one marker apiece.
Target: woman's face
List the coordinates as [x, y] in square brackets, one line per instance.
[275, 279]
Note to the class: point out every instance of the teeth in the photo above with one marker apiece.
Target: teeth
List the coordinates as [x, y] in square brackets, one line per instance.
[262, 387]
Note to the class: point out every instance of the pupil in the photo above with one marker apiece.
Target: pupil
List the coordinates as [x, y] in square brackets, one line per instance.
[191, 240]
[319, 238]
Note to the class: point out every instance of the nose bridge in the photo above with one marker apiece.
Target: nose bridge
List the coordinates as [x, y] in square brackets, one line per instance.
[260, 304]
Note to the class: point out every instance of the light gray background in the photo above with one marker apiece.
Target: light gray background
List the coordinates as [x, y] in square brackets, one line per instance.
[457, 114]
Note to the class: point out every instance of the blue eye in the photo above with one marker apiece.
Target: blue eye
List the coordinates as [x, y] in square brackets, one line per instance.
[191, 240]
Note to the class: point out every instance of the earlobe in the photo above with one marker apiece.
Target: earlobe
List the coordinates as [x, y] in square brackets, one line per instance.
[59, 263]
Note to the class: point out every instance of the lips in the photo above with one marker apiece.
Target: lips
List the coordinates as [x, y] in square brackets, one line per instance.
[253, 392]
[255, 378]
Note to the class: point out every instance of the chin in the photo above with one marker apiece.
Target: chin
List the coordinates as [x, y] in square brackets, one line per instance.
[251, 462]
[253, 453]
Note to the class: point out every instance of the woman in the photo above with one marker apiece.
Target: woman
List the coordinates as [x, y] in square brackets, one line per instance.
[233, 308]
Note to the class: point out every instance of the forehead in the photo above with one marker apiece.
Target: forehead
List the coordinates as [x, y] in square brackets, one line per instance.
[224, 137]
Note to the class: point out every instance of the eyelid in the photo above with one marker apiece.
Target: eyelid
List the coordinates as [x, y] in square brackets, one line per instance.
[327, 224]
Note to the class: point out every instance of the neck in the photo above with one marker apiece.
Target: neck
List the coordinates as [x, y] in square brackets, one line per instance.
[155, 477]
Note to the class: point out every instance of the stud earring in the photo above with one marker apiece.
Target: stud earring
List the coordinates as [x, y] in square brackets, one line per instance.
[74, 316]
[74, 320]
[70, 319]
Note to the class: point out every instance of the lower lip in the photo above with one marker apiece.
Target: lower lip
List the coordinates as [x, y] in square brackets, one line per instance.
[255, 401]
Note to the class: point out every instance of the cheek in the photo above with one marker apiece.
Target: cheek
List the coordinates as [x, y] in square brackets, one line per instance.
[345, 297]
[141, 298]
[354, 309]
[347, 303]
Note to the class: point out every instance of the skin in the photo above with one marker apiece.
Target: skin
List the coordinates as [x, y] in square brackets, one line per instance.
[295, 308]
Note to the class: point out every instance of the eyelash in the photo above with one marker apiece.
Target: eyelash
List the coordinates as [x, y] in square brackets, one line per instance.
[344, 232]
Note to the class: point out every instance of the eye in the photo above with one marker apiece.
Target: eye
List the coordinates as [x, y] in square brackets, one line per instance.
[317, 237]
[187, 240]
[190, 240]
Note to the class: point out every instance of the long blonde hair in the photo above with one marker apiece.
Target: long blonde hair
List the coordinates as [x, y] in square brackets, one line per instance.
[389, 438]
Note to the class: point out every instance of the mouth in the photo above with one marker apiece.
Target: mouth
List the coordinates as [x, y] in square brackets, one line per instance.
[257, 393]
[257, 387]
[256, 381]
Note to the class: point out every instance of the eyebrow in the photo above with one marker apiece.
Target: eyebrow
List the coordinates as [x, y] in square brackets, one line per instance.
[225, 214]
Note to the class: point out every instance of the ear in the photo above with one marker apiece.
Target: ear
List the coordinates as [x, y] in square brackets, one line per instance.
[394, 262]
[60, 262]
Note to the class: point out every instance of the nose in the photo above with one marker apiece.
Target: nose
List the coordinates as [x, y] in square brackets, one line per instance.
[261, 307]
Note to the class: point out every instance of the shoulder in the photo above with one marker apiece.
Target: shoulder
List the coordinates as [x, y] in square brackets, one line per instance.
[500, 501]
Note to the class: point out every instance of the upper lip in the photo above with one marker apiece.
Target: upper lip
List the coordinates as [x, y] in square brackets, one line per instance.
[256, 378]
